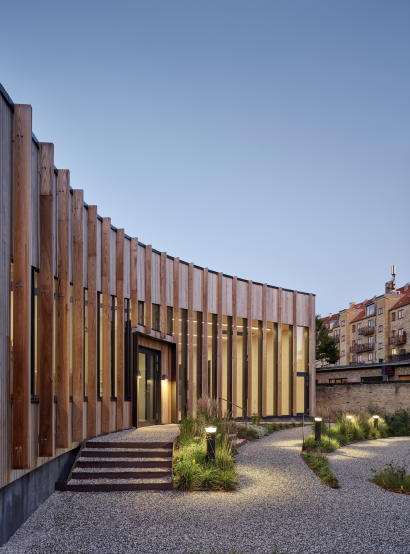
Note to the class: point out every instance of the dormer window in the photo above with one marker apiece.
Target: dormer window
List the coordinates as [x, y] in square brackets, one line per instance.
[370, 310]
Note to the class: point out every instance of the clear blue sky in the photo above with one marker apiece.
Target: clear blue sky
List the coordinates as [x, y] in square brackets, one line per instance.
[266, 139]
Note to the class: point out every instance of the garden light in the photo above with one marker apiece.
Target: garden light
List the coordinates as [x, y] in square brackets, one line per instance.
[318, 429]
[349, 417]
[210, 440]
[376, 421]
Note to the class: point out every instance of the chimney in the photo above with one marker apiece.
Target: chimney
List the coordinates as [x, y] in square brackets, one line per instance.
[330, 315]
[389, 287]
[351, 304]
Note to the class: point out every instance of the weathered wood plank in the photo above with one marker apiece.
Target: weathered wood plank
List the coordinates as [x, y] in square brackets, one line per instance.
[92, 322]
[21, 294]
[234, 348]
[163, 285]
[78, 314]
[120, 329]
[148, 305]
[46, 303]
[190, 338]
[134, 283]
[279, 381]
[63, 311]
[220, 335]
[205, 391]
[106, 298]
[176, 334]
[264, 349]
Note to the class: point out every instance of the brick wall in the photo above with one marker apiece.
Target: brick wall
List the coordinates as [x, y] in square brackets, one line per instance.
[352, 397]
[354, 375]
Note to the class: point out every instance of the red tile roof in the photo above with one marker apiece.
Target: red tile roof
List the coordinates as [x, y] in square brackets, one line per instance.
[359, 316]
[404, 300]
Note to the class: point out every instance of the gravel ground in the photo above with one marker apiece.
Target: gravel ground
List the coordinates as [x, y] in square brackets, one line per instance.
[281, 503]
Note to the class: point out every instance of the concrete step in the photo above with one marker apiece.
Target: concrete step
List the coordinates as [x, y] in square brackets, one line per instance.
[124, 463]
[96, 474]
[125, 485]
[130, 445]
[120, 453]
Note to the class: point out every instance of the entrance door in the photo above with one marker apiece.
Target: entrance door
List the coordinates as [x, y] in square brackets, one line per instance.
[148, 386]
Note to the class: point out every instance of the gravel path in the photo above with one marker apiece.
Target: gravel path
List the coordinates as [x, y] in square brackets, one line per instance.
[280, 503]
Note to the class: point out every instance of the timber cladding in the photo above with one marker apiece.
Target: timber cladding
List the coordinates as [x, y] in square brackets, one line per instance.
[83, 262]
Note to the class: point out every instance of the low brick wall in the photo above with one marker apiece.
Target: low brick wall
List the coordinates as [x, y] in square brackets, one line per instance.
[354, 396]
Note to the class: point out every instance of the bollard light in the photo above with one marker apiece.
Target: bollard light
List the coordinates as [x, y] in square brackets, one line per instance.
[210, 440]
[318, 429]
[349, 417]
[376, 421]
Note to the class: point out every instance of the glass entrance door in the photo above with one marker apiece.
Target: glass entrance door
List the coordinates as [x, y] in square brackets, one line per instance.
[148, 386]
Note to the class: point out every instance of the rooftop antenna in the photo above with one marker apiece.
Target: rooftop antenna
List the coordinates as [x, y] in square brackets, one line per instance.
[393, 274]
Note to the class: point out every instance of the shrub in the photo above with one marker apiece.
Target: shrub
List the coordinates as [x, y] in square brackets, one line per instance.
[253, 431]
[187, 474]
[393, 477]
[320, 464]
[327, 444]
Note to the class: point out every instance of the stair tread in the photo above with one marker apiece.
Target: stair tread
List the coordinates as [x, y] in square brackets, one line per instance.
[119, 469]
[108, 459]
[160, 480]
[119, 449]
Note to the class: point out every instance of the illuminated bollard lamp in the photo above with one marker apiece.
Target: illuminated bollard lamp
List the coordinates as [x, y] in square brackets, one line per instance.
[318, 429]
[376, 421]
[210, 440]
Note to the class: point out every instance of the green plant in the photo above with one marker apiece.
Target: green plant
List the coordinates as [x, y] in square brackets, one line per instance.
[393, 477]
[256, 419]
[320, 465]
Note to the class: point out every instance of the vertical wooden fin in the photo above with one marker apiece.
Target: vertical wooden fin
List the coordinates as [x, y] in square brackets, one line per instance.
[63, 311]
[21, 287]
[120, 329]
[78, 314]
[46, 303]
[148, 305]
[106, 299]
[294, 347]
[163, 292]
[190, 338]
[134, 283]
[220, 341]
[312, 356]
[176, 332]
[264, 349]
[92, 322]
[205, 391]
[234, 347]
[249, 317]
[279, 380]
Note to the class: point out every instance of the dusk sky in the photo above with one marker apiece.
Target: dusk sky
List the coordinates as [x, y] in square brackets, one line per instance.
[267, 139]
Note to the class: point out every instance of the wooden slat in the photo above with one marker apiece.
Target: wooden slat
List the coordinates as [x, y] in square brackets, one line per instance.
[294, 350]
[134, 283]
[220, 334]
[279, 380]
[234, 347]
[205, 391]
[163, 285]
[63, 311]
[264, 349]
[148, 306]
[249, 318]
[21, 293]
[120, 329]
[78, 314]
[106, 299]
[190, 338]
[176, 333]
[92, 323]
[46, 303]
[312, 355]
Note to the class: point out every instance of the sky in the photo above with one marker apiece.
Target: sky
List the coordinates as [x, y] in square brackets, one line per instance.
[267, 139]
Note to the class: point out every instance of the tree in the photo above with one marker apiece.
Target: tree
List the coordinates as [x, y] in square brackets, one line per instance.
[326, 347]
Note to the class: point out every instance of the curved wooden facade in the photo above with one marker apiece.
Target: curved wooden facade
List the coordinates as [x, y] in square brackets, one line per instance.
[81, 301]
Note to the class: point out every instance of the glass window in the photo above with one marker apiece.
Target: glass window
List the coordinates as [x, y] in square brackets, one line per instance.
[370, 310]
[226, 392]
[272, 369]
[85, 341]
[287, 362]
[343, 323]
[393, 316]
[380, 328]
[337, 381]
[141, 312]
[401, 314]
[359, 358]
[114, 325]
[183, 362]
[156, 317]
[212, 355]
[127, 349]
[353, 328]
[198, 333]
[359, 326]
[343, 352]
[170, 320]
[34, 333]
[380, 345]
[242, 374]
[370, 356]
[380, 310]
[393, 351]
[99, 345]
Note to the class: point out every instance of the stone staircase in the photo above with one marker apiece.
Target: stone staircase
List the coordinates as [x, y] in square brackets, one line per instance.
[122, 466]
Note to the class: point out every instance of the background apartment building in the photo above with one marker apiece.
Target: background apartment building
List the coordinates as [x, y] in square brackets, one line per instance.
[375, 330]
